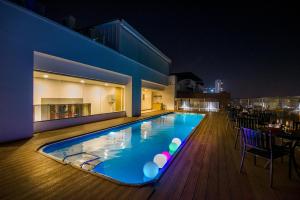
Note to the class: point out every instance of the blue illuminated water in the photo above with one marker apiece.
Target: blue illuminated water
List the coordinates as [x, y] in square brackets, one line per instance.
[122, 151]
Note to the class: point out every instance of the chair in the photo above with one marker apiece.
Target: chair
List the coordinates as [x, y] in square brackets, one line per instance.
[231, 115]
[246, 123]
[261, 144]
[296, 126]
[237, 130]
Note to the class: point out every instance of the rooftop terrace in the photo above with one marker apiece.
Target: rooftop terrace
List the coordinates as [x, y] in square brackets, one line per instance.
[206, 168]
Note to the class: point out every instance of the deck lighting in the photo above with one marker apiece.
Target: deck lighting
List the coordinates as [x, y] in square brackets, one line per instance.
[160, 160]
[150, 169]
[167, 154]
[173, 147]
[176, 141]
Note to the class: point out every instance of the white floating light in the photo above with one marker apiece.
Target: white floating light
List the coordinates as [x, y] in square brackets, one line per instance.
[150, 169]
[160, 160]
[176, 141]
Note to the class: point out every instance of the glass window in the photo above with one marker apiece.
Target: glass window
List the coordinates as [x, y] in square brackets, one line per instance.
[59, 97]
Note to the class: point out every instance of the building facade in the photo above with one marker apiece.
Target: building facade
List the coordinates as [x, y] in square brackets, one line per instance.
[269, 103]
[218, 86]
[187, 82]
[53, 77]
[191, 96]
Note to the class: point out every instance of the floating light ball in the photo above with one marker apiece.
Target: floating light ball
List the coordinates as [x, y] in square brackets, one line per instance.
[160, 160]
[176, 141]
[150, 169]
[171, 152]
[167, 154]
[173, 147]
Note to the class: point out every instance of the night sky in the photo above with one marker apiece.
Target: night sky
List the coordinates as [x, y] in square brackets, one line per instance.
[254, 48]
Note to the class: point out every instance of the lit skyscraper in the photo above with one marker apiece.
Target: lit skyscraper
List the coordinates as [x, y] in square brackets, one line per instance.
[218, 86]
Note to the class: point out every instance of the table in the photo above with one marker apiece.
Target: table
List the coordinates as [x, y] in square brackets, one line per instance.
[294, 137]
[291, 135]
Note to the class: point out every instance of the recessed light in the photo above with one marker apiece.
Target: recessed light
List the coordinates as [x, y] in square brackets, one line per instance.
[82, 81]
[45, 76]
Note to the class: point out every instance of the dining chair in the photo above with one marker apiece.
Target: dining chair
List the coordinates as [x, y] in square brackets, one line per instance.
[296, 126]
[246, 123]
[262, 144]
[230, 117]
[237, 130]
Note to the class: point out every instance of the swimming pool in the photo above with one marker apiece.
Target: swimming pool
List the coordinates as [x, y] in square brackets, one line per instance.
[121, 153]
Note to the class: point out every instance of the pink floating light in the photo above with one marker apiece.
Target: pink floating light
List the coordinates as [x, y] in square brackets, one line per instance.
[167, 154]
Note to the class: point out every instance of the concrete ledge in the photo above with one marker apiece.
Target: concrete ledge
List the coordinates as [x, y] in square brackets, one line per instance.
[62, 123]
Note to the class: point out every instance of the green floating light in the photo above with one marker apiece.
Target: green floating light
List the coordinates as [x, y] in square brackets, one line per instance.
[171, 152]
[173, 147]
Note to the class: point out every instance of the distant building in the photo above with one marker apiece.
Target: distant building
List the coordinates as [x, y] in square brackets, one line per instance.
[191, 96]
[188, 82]
[291, 103]
[209, 90]
[218, 86]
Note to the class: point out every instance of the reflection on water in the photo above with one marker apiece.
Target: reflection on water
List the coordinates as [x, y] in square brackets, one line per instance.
[105, 146]
[146, 129]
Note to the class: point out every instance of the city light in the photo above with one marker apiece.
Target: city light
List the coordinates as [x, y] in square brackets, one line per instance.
[185, 106]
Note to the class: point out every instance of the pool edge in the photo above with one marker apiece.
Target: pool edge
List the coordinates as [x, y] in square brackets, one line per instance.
[153, 181]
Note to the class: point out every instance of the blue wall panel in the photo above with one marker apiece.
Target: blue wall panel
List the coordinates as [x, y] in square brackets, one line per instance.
[136, 50]
[21, 33]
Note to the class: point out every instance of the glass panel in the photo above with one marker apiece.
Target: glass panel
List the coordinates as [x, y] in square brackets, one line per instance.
[197, 105]
[60, 97]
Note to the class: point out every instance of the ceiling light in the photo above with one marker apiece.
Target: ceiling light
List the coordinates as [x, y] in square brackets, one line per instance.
[82, 81]
[106, 84]
[45, 76]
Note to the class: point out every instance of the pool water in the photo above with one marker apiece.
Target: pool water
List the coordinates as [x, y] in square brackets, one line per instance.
[120, 153]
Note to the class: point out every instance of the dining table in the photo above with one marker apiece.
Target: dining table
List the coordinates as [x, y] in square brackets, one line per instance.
[293, 136]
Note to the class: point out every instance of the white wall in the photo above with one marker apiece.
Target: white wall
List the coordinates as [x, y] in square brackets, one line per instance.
[169, 97]
[167, 94]
[146, 102]
[97, 95]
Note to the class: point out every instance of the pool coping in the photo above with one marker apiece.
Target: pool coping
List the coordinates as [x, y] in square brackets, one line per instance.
[153, 181]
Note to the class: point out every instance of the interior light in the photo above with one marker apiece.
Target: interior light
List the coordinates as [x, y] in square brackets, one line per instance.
[45, 76]
[82, 81]
[106, 84]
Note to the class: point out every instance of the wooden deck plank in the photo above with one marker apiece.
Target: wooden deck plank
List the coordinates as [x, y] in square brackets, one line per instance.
[198, 165]
[206, 168]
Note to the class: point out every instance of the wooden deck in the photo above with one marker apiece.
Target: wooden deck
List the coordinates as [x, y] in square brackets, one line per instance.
[206, 168]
